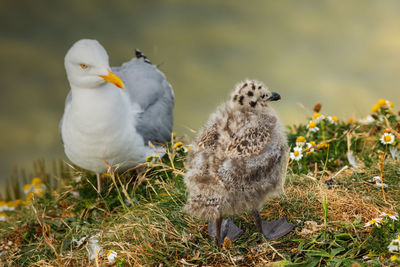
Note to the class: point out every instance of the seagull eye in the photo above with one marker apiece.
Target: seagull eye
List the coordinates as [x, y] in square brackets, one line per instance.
[84, 66]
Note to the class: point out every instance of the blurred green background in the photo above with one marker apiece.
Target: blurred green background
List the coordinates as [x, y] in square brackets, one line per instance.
[345, 54]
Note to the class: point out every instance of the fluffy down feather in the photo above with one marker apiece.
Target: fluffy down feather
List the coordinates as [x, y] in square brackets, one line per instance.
[239, 158]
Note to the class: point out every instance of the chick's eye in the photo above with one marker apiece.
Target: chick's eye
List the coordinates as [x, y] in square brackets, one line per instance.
[263, 96]
[84, 66]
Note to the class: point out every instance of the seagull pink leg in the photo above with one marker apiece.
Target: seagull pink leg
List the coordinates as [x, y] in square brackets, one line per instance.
[98, 175]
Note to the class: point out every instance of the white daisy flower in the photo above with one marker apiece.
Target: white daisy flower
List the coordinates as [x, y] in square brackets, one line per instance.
[387, 138]
[300, 141]
[394, 245]
[389, 104]
[333, 119]
[39, 189]
[28, 188]
[296, 154]
[318, 117]
[367, 120]
[312, 126]
[3, 206]
[10, 205]
[310, 146]
[187, 148]
[378, 184]
[376, 179]
[3, 217]
[111, 255]
[376, 222]
[393, 217]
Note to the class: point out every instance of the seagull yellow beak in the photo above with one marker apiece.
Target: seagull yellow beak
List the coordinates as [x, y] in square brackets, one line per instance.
[114, 79]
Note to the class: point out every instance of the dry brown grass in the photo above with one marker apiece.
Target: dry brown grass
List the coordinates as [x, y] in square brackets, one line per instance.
[153, 230]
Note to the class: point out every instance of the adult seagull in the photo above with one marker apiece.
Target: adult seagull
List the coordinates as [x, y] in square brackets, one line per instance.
[105, 126]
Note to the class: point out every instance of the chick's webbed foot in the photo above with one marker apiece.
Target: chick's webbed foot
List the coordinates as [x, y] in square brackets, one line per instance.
[226, 229]
[273, 229]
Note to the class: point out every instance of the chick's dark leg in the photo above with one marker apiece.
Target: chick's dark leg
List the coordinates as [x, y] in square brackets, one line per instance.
[218, 236]
[223, 228]
[273, 229]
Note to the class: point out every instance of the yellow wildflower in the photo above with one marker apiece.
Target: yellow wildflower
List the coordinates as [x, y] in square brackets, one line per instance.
[29, 198]
[390, 104]
[36, 181]
[173, 135]
[351, 120]
[375, 108]
[381, 102]
[322, 146]
[3, 216]
[149, 158]
[300, 141]
[178, 144]
[18, 202]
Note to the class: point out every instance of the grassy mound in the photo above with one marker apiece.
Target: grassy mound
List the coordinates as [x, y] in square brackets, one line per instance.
[347, 175]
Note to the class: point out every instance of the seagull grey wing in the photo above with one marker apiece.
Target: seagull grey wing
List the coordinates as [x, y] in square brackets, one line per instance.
[148, 87]
[156, 121]
[251, 143]
[67, 105]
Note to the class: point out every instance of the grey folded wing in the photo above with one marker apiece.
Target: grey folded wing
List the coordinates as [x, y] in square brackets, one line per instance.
[148, 87]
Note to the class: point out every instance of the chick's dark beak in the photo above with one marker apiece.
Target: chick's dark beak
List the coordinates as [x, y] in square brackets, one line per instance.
[274, 97]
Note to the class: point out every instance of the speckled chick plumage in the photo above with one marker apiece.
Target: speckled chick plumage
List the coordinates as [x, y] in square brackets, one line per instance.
[239, 158]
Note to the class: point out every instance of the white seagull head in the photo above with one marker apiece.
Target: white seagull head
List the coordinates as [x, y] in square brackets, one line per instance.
[86, 63]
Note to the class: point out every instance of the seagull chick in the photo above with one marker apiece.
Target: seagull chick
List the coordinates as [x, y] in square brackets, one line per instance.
[237, 162]
[104, 125]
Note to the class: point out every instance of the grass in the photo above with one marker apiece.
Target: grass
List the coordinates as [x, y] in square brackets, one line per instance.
[139, 214]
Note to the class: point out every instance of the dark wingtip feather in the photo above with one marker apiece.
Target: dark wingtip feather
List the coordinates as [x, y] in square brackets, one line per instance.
[139, 54]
